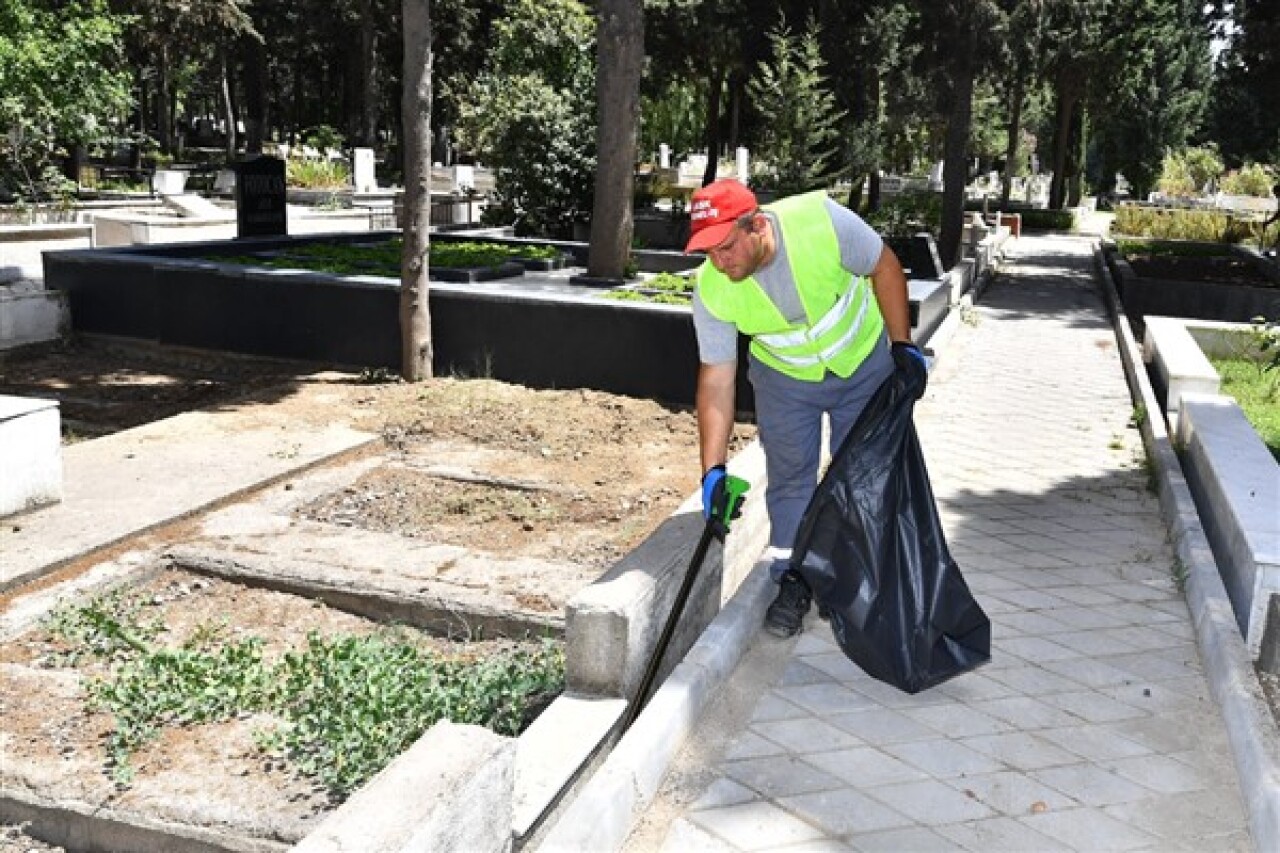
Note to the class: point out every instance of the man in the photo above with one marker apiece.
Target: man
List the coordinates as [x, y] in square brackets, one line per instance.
[825, 304]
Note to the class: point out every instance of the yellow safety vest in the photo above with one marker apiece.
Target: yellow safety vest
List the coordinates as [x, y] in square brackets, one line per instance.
[843, 320]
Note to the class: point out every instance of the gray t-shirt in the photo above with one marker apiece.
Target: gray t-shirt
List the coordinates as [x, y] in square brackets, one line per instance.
[860, 248]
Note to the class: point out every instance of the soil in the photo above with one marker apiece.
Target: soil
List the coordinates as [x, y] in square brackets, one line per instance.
[1225, 269]
[574, 477]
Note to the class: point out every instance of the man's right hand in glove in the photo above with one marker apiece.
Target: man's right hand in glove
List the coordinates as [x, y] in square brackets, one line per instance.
[721, 503]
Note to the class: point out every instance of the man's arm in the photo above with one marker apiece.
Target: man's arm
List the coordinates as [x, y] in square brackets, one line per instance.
[890, 285]
[715, 406]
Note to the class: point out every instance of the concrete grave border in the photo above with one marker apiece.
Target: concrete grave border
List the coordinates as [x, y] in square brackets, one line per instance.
[1251, 729]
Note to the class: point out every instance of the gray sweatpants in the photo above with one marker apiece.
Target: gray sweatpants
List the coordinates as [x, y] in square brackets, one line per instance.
[789, 422]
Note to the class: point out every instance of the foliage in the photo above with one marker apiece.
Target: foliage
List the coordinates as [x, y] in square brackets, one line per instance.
[800, 119]
[665, 288]
[1186, 172]
[1265, 338]
[317, 174]
[1257, 392]
[1150, 88]
[907, 214]
[61, 82]
[323, 138]
[383, 259]
[1047, 220]
[1178, 249]
[1252, 179]
[671, 116]
[530, 114]
[1176, 224]
[354, 703]
[1245, 99]
[346, 705]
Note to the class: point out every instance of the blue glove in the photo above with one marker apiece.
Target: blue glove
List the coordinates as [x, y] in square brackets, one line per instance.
[722, 497]
[712, 491]
[908, 359]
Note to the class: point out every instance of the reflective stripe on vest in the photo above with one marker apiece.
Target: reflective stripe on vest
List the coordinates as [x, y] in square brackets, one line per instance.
[775, 343]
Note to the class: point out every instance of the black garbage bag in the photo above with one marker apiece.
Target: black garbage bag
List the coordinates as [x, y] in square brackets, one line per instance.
[871, 548]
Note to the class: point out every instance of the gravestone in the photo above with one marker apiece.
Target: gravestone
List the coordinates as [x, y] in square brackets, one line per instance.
[918, 255]
[362, 175]
[742, 164]
[664, 156]
[260, 198]
[464, 179]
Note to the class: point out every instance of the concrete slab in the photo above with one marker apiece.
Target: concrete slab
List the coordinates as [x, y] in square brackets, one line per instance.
[139, 479]
[1236, 485]
[30, 454]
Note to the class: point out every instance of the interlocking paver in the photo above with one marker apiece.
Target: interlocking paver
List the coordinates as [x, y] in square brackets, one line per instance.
[1092, 728]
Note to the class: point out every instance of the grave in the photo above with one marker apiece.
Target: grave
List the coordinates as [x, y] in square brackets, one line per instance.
[30, 454]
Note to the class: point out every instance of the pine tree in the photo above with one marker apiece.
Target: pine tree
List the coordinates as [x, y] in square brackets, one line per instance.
[799, 113]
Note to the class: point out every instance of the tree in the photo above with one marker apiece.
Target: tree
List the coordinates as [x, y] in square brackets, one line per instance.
[1073, 35]
[957, 33]
[62, 81]
[801, 121]
[703, 40]
[415, 315]
[1019, 50]
[1245, 98]
[620, 41]
[1149, 94]
[530, 114]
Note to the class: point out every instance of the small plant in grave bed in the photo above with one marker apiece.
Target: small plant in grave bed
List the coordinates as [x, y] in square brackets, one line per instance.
[384, 258]
[664, 288]
[345, 705]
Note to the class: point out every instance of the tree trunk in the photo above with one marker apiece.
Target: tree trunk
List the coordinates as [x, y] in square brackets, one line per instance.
[255, 84]
[955, 169]
[228, 108]
[368, 77]
[1011, 145]
[620, 52]
[415, 108]
[165, 118]
[1075, 162]
[716, 79]
[1067, 89]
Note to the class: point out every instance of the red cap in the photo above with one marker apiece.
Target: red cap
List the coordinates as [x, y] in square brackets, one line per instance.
[714, 209]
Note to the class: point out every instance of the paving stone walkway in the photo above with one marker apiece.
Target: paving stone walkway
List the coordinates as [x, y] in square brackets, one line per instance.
[1092, 728]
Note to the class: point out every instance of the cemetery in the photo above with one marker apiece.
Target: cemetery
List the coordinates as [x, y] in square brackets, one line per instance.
[268, 584]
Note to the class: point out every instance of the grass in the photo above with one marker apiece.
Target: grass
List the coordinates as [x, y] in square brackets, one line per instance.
[383, 259]
[345, 705]
[1258, 393]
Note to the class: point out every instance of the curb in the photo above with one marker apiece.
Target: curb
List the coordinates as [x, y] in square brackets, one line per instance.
[1251, 730]
[604, 812]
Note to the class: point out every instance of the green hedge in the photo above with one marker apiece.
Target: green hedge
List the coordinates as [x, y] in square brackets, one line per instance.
[1036, 219]
[1180, 224]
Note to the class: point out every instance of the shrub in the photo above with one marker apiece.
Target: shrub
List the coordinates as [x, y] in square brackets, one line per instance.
[1173, 224]
[317, 174]
[1254, 179]
[907, 214]
[1186, 171]
[1047, 220]
[322, 137]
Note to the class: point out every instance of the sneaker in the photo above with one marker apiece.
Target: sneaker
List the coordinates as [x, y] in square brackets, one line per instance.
[785, 616]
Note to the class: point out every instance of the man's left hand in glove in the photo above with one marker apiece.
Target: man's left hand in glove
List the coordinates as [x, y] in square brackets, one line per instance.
[908, 358]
